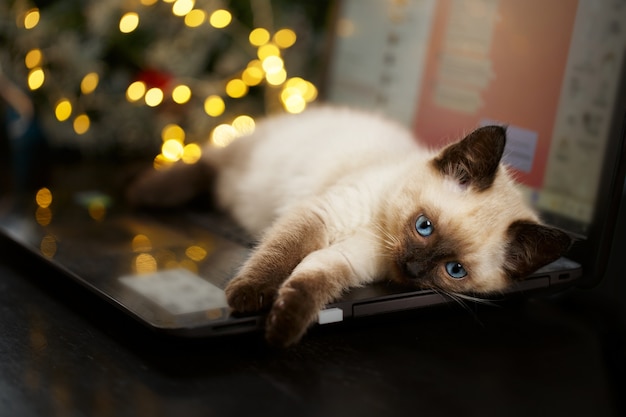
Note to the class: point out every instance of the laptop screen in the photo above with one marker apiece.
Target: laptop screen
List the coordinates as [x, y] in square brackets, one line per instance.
[550, 71]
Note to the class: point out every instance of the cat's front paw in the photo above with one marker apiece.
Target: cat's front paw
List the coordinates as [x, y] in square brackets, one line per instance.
[248, 295]
[292, 313]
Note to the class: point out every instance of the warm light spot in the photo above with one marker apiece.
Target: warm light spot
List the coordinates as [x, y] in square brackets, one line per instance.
[154, 97]
[285, 38]
[236, 88]
[33, 58]
[182, 7]
[145, 263]
[31, 18]
[244, 125]
[252, 76]
[297, 85]
[160, 163]
[43, 216]
[294, 103]
[195, 18]
[48, 246]
[148, 2]
[36, 78]
[259, 36]
[220, 18]
[89, 83]
[214, 106]
[195, 253]
[129, 22]
[191, 153]
[181, 94]
[223, 135]
[273, 64]
[81, 124]
[136, 91]
[97, 209]
[172, 150]
[43, 197]
[173, 131]
[63, 110]
[276, 78]
[268, 50]
[141, 243]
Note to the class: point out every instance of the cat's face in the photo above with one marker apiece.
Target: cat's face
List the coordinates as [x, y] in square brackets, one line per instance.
[461, 225]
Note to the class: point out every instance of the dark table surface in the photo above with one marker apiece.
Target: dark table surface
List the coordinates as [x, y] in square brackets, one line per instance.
[63, 352]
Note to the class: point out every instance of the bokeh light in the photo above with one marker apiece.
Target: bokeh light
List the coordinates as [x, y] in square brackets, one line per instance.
[214, 106]
[220, 18]
[129, 22]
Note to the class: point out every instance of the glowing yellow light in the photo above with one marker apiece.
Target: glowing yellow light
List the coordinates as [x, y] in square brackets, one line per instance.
[181, 94]
[97, 210]
[273, 64]
[191, 153]
[33, 58]
[169, 1]
[189, 265]
[259, 36]
[154, 97]
[252, 76]
[268, 50]
[89, 83]
[236, 88]
[36, 78]
[136, 91]
[305, 88]
[63, 110]
[43, 216]
[48, 246]
[195, 253]
[172, 150]
[220, 18]
[160, 163]
[285, 38]
[148, 2]
[223, 135]
[81, 124]
[214, 106]
[145, 263]
[43, 197]
[294, 103]
[276, 78]
[182, 7]
[129, 22]
[195, 18]
[31, 18]
[244, 125]
[141, 243]
[173, 131]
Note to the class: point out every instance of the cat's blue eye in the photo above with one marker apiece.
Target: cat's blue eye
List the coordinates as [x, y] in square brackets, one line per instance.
[456, 270]
[424, 226]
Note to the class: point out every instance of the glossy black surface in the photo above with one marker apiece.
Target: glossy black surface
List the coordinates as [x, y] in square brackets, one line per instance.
[63, 352]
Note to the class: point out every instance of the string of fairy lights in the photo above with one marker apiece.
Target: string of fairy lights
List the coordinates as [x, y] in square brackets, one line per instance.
[266, 69]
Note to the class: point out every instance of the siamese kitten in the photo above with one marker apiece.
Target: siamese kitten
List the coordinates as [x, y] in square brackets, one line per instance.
[340, 198]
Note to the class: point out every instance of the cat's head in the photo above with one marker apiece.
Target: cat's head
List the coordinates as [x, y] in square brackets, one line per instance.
[461, 225]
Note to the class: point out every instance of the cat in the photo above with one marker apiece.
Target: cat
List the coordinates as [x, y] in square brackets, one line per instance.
[339, 198]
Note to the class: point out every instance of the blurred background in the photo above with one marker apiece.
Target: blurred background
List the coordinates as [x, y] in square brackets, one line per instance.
[152, 78]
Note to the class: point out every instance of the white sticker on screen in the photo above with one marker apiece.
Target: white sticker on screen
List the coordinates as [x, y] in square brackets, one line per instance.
[179, 291]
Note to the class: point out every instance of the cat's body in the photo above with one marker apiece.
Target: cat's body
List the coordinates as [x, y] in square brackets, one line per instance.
[340, 198]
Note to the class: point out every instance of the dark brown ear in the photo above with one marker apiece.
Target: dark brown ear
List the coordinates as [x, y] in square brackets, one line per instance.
[474, 160]
[531, 246]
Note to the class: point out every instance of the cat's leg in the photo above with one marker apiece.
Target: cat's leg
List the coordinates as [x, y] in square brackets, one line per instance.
[319, 279]
[171, 187]
[283, 247]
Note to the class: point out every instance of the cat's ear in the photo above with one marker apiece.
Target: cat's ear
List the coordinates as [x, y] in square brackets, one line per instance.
[532, 245]
[474, 160]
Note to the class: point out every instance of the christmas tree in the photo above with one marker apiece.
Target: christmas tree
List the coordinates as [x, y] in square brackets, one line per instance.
[127, 77]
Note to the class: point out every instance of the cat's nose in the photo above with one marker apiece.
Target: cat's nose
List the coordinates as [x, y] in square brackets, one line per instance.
[413, 269]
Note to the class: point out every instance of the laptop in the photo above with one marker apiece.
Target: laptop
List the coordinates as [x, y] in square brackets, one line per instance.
[554, 74]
